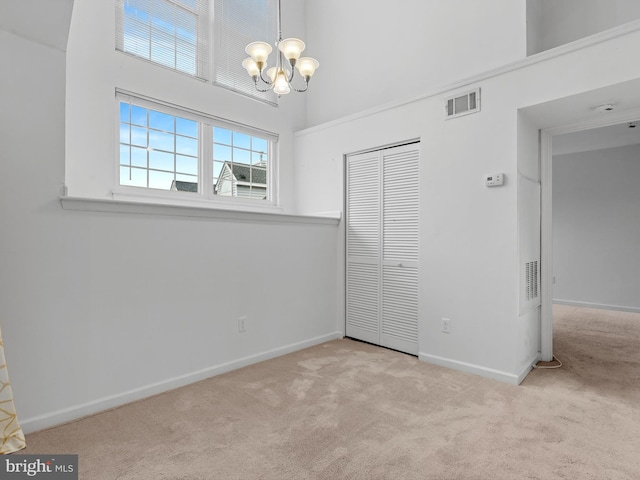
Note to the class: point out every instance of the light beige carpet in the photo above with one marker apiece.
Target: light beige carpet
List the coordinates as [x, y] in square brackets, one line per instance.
[348, 410]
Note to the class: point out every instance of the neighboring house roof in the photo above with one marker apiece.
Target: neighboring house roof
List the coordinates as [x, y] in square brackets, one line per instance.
[242, 172]
[180, 186]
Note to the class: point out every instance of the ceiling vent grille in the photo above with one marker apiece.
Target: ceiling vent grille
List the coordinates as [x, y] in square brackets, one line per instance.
[532, 279]
[463, 104]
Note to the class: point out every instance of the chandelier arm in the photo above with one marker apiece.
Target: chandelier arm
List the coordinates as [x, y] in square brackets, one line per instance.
[292, 62]
[255, 83]
[306, 87]
[268, 82]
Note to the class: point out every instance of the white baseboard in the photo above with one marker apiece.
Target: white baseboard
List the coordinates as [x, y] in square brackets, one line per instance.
[471, 368]
[528, 367]
[601, 306]
[59, 417]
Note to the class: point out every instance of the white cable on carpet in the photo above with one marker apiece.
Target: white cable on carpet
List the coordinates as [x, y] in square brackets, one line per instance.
[541, 367]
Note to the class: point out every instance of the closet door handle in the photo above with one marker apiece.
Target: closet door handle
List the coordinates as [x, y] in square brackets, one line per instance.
[399, 264]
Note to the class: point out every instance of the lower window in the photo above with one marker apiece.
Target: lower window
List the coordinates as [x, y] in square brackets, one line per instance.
[166, 149]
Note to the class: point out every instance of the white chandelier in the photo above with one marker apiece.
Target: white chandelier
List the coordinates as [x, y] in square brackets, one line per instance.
[279, 78]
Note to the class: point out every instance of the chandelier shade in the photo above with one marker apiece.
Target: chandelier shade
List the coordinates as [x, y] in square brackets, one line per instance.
[291, 48]
[307, 66]
[259, 51]
[251, 66]
[279, 78]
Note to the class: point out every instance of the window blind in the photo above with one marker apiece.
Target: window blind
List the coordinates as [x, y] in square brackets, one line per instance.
[172, 33]
[238, 23]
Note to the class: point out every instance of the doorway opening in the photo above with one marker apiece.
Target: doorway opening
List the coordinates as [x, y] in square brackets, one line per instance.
[588, 173]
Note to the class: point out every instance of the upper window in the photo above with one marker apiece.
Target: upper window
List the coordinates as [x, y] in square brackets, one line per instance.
[238, 23]
[164, 148]
[172, 33]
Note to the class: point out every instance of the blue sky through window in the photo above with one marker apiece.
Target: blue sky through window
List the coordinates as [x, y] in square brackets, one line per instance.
[156, 148]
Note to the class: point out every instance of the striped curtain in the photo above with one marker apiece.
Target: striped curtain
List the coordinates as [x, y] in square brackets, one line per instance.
[11, 436]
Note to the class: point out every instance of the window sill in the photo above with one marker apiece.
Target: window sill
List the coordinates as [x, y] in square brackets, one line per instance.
[147, 208]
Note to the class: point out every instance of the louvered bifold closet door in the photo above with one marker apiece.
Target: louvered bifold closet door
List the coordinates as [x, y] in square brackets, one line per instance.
[400, 225]
[382, 247]
[363, 247]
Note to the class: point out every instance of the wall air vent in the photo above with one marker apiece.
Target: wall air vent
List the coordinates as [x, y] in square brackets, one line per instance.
[463, 104]
[531, 272]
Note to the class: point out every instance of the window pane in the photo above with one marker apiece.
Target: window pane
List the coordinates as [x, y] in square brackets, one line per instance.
[241, 156]
[221, 153]
[185, 21]
[217, 168]
[124, 133]
[186, 165]
[241, 140]
[163, 54]
[161, 180]
[259, 145]
[186, 127]
[124, 155]
[125, 110]
[163, 14]
[259, 158]
[161, 160]
[161, 121]
[186, 62]
[139, 136]
[187, 146]
[138, 115]
[161, 140]
[137, 9]
[139, 157]
[221, 135]
[134, 177]
[136, 31]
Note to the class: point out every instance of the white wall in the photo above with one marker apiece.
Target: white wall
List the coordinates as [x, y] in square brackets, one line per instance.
[596, 227]
[528, 344]
[375, 52]
[551, 23]
[469, 248]
[98, 309]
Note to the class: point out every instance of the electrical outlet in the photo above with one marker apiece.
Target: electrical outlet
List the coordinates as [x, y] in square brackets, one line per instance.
[242, 324]
[446, 325]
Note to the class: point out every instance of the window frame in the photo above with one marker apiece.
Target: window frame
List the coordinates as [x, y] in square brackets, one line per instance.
[206, 123]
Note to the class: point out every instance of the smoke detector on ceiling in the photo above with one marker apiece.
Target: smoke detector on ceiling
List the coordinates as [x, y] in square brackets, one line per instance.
[607, 107]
